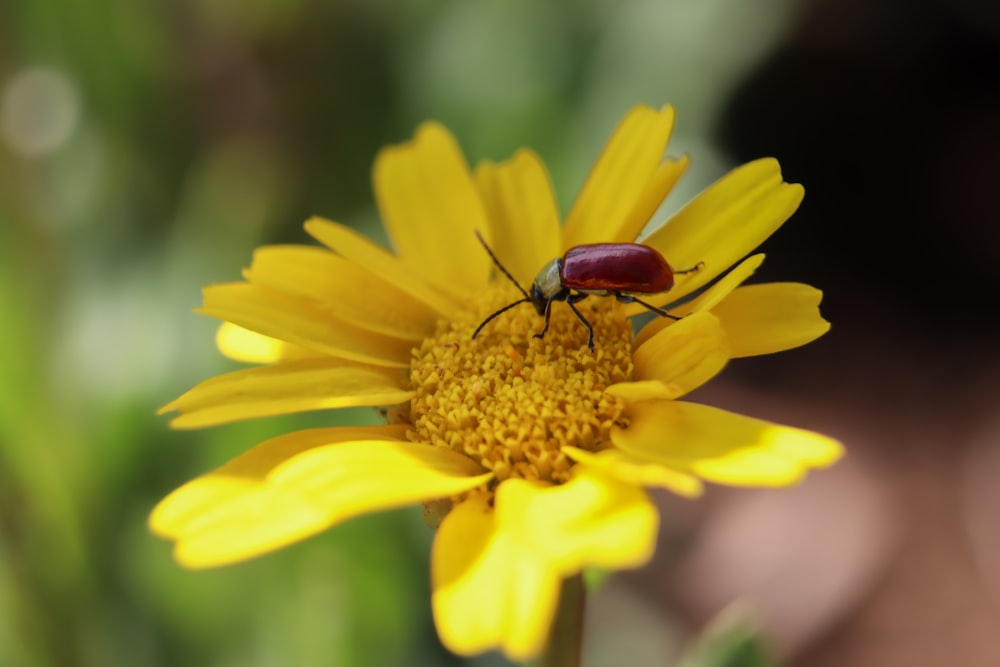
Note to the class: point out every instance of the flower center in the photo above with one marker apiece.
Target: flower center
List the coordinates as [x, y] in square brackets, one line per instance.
[511, 401]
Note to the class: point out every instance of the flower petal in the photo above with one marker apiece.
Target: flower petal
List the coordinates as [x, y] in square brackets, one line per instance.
[771, 317]
[634, 391]
[519, 197]
[496, 573]
[637, 472]
[358, 477]
[625, 178]
[176, 513]
[314, 490]
[288, 387]
[298, 321]
[355, 294]
[431, 209]
[591, 521]
[364, 252]
[657, 188]
[489, 590]
[685, 355]
[726, 222]
[242, 344]
[721, 446]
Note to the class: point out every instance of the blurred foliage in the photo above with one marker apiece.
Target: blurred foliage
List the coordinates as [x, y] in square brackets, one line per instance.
[730, 640]
[145, 149]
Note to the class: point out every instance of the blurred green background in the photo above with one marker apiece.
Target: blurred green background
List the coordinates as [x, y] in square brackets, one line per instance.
[146, 147]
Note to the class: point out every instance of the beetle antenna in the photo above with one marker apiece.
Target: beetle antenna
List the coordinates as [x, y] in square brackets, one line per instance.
[506, 273]
[498, 313]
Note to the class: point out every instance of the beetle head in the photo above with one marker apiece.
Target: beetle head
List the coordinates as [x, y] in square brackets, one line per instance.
[538, 299]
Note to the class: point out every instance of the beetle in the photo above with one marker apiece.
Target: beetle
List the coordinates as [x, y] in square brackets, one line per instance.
[621, 270]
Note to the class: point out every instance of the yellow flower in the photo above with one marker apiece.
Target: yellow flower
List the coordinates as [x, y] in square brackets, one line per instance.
[536, 452]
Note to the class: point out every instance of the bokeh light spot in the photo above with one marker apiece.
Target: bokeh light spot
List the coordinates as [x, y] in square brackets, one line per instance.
[39, 109]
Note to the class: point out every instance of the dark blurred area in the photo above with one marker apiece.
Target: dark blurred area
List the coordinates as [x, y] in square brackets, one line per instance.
[889, 112]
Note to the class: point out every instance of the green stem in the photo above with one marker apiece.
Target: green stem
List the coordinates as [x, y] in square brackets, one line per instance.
[565, 647]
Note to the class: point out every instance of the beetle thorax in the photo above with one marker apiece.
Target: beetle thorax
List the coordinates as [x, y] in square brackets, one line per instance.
[547, 285]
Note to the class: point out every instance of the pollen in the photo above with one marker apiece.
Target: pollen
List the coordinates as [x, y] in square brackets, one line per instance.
[511, 401]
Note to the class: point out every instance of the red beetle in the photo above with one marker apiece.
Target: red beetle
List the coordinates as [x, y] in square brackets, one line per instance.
[621, 270]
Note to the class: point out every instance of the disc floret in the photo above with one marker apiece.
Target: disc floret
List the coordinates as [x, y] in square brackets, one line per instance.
[511, 401]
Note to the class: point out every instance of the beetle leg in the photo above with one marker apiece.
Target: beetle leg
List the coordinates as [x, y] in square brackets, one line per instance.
[628, 298]
[697, 267]
[590, 327]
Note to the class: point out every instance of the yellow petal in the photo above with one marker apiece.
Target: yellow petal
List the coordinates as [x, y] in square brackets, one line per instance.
[288, 387]
[490, 591]
[183, 508]
[657, 188]
[431, 209]
[591, 521]
[637, 472]
[336, 284]
[634, 391]
[359, 477]
[242, 344]
[726, 222]
[771, 317]
[496, 572]
[721, 446]
[298, 321]
[685, 355]
[250, 522]
[519, 197]
[310, 492]
[623, 178]
[364, 252]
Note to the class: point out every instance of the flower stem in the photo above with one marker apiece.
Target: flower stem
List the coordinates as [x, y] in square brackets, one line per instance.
[565, 647]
